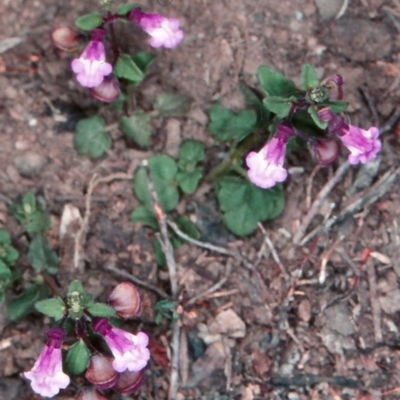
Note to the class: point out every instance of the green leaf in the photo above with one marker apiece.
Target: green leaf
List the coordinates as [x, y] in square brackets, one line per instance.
[244, 204]
[303, 121]
[165, 308]
[279, 105]
[163, 171]
[4, 237]
[5, 278]
[125, 8]
[90, 138]
[274, 83]
[137, 127]
[22, 305]
[126, 68]
[101, 310]
[227, 125]
[77, 359]
[143, 60]
[309, 77]
[190, 152]
[145, 217]
[337, 106]
[186, 226]
[30, 214]
[314, 115]
[172, 104]
[188, 181]
[253, 101]
[42, 256]
[88, 22]
[159, 253]
[53, 308]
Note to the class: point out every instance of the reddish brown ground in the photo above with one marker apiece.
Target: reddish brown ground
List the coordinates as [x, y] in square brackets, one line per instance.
[323, 342]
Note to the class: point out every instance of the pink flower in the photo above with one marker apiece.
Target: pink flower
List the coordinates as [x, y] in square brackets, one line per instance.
[163, 31]
[91, 67]
[363, 145]
[130, 351]
[266, 166]
[46, 376]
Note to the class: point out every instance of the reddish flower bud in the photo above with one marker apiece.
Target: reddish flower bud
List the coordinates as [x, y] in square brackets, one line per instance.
[89, 393]
[334, 84]
[108, 90]
[100, 372]
[65, 38]
[125, 299]
[325, 114]
[129, 382]
[326, 151]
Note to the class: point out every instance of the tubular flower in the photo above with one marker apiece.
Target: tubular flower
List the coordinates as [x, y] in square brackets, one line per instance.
[91, 67]
[266, 166]
[46, 376]
[163, 31]
[130, 351]
[364, 145]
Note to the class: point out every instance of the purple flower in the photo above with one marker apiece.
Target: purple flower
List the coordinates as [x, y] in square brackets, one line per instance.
[334, 84]
[266, 166]
[363, 145]
[163, 31]
[46, 376]
[130, 351]
[91, 67]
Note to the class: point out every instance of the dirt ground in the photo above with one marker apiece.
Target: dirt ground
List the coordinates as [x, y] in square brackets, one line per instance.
[334, 334]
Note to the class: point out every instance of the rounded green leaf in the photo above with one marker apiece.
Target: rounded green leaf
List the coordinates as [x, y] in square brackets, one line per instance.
[53, 308]
[244, 205]
[101, 310]
[137, 127]
[88, 22]
[90, 138]
[77, 359]
[191, 151]
[5, 237]
[279, 105]
[143, 60]
[188, 181]
[42, 256]
[173, 104]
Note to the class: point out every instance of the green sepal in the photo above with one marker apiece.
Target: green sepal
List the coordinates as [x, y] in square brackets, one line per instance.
[336, 106]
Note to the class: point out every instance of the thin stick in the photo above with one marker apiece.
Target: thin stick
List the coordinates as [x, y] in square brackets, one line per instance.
[375, 307]
[325, 259]
[206, 292]
[319, 200]
[81, 234]
[171, 264]
[139, 282]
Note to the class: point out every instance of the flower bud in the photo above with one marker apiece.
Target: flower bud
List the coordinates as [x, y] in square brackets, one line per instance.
[125, 299]
[325, 114]
[129, 382]
[89, 393]
[108, 90]
[64, 38]
[100, 372]
[334, 84]
[326, 151]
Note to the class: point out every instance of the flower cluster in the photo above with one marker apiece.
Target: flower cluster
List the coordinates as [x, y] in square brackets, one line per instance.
[123, 372]
[92, 69]
[266, 166]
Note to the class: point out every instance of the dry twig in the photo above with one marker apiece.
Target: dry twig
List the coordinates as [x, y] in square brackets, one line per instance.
[139, 282]
[81, 234]
[375, 307]
[171, 264]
